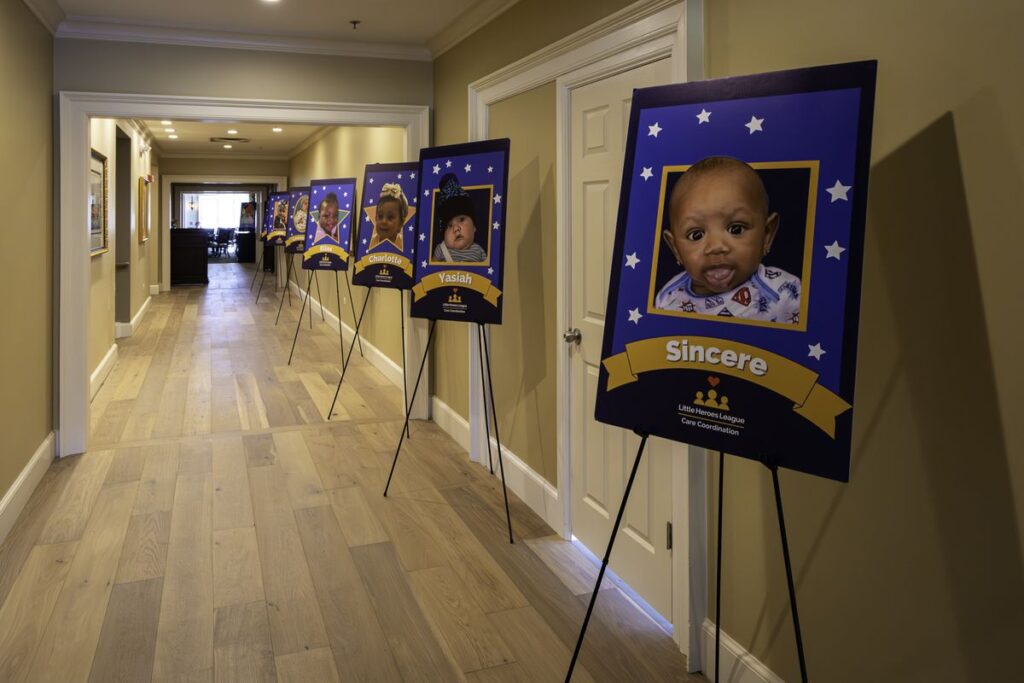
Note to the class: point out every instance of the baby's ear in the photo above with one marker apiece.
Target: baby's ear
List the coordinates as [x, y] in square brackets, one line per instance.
[670, 241]
[771, 228]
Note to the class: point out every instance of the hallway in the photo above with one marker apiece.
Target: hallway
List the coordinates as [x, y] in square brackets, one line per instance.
[221, 529]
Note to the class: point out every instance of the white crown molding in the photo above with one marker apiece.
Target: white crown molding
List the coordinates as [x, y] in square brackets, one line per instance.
[467, 23]
[48, 12]
[111, 29]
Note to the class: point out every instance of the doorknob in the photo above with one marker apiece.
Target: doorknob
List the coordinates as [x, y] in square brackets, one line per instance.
[573, 336]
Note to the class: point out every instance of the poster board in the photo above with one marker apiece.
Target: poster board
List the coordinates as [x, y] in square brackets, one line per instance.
[460, 246]
[278, 228]
[247, 216]
[385, 244]
[735, 282]
[298, 213]
[329, 225]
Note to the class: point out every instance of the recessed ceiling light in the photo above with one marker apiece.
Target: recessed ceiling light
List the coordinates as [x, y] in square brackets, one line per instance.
[168, 130]
[173, 137]
[227, 146]
[232, 131]
[166, 123]
[277, 130]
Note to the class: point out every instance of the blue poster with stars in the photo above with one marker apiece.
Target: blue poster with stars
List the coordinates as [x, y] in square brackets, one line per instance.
[460, 244]
[278, 228]
[329, 224]
[386, 237]
[735, 283]
[298, 211]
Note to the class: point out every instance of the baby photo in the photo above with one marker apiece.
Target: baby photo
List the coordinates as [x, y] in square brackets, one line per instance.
[456, 235]
[326, 218]
[280, 215]
[390, 215]
[301, 212]
[717, 246]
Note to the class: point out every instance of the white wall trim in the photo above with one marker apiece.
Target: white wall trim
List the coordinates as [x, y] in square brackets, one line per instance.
[450, 422]
[738, 665]
[74, 109]
[48, 12]
[154, 290]
[102, 371]
[88, 28]
[469, 22]
[529, 485]
[122, 330]
[17, 496]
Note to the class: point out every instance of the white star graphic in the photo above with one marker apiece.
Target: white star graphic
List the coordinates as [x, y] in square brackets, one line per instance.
[834, 250]
[838, 191]
[704, 116]
[411, 175]
[348, 206]
[437, 169]
[652, 131]
[497, 199]
[414, 200]
[371, 181]
[634, 316]
[324, 187]
[423, 265]
[496, 225]
[490, 169]
[448, 164]
[423, 236]
[346, 194]
[364, 240]
[490, 271]
[468, 168]
[410, 228]
[632, 260]
[646, 173]
[399, 176]
[754, 125]
[370, 201]
[426, 193]
[815, 351]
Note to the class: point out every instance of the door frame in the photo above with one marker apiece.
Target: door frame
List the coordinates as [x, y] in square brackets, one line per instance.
[71, 249]
[641, 33]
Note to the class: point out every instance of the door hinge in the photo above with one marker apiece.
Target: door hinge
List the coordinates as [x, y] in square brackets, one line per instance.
[668, 535]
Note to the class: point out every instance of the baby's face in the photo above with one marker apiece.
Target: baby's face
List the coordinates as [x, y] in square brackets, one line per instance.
[389, 222]
[329, 218]
[460, 232]
[720, 230]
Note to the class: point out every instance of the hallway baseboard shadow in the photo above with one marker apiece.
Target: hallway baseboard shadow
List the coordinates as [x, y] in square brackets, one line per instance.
[17, 496]
[738, 664]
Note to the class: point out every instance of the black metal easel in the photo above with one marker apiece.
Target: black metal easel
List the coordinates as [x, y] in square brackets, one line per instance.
[298, 324]
[408, 408]
[348, 358]
[405, 379]
[352, 304]
[257, 271]
[287, 285]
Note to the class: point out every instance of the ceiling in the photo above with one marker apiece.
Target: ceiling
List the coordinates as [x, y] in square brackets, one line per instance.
[410, 29]
[194, 138]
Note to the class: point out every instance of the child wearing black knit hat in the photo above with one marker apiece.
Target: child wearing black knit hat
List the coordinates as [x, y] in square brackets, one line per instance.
[456, 224]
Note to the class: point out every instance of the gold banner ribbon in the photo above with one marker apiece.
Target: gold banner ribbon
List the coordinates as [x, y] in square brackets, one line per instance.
[457, 278]
[274, 234]
[781, 375]
[399, 262]
[293, 239]
[320, 249]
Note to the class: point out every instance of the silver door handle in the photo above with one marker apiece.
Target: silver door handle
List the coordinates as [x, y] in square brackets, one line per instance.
[573, 336]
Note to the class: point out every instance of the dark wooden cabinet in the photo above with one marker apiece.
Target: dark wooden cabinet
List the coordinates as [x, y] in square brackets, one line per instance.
[189, 257]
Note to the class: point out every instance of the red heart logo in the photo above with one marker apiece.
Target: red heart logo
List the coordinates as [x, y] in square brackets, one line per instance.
[713, 381]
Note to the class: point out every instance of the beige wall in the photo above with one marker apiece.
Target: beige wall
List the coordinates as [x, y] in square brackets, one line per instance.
[343, 153]
[104, 66]
[535, 24]
[913, 571]
[231, 167]
[26, 334]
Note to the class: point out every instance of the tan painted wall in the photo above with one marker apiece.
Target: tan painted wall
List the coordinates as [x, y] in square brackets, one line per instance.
[535, 24]
[26, 335]
[102, 138]
[104, 66]
[523, 355]
[344, 153]
[913, 571]
[235, 167]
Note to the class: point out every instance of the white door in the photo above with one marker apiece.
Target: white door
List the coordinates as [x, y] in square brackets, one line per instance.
[602, 456]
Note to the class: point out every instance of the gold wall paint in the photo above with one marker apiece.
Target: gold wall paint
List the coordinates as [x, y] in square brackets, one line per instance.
[343, 153]
[534, 24]
[914, 570]
[102, 138]
[523, 357]
[26, 335]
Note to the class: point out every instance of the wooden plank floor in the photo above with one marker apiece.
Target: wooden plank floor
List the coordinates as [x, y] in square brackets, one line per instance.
[221, 529]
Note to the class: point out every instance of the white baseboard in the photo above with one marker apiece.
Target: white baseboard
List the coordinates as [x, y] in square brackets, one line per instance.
[154, 290]
[377, 358]
[99, 375]
[529, 485]
[122, 330]
[17, 496]
[450, 422]
[738, 665]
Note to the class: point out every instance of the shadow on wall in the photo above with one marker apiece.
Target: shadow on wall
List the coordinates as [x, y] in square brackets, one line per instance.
[911, 572]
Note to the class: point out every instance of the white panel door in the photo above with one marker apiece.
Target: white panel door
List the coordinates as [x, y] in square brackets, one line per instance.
[602, 456]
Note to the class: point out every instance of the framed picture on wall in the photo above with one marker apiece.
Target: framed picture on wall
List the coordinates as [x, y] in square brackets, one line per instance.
[144, 208]
[97, 203]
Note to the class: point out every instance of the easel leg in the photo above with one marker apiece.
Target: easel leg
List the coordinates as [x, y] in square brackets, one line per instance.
[287, 279]
[320, 297]
[298, 325]
[341, 337]
[262, 280]
[789, 574]
[405, 380]
[497, 436]
[607, 555]
[289, 268]
[483, 390]
[718, 566]
[352, 303]
[415, 388]
[257, 272]
[309, 296]
[348, 358]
